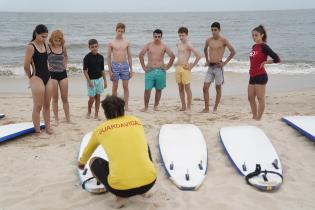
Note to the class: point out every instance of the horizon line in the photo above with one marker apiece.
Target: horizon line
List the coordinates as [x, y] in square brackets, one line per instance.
[99, 12]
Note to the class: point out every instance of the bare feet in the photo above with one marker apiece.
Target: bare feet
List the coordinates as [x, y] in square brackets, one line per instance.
[145, 109]
[156, 108]
[37, 133]
[88, 115]
[120, 202]
[205, 111]
[182, 109]
[214, 111]
[188, 110]
[127, 109]
[56, 121]
[96, 117]
[147, 195]
[49, 131]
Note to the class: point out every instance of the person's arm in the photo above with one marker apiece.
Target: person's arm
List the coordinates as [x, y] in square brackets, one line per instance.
[141, 57]
[232, 53]
[85, 72]
[65, 61]
[197, 56]
[48, 48]
[206, 52]
[109, 59]
[172, 58]
[103, 73]
[129, 60]
[268, 51]
[28, 60]
[88, 151]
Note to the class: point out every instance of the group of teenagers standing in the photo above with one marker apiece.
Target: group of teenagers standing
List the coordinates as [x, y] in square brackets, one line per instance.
[129, 169]
[45, 66]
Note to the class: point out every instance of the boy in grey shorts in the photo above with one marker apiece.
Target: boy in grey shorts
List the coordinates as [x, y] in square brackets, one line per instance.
[214, 74]
[214, 51]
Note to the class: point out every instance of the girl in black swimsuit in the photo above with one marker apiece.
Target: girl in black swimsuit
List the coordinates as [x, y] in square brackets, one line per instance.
[39, 77]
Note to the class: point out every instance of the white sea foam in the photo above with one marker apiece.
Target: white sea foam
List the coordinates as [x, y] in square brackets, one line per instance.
[234, 66]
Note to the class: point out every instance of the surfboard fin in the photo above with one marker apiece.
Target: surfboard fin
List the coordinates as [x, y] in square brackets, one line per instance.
[200, 165]
[275, 164]
[187, 175]
[172, 166]
[244, 167]
[85, 171]
[265, 176]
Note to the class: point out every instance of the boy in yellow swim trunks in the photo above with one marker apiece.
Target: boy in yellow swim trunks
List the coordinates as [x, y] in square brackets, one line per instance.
[183, 68]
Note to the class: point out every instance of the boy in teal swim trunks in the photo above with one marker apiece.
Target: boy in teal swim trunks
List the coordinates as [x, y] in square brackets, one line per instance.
[93, 68]
[155, 70]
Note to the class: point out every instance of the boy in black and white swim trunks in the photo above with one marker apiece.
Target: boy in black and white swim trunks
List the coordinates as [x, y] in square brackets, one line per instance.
[214, 51]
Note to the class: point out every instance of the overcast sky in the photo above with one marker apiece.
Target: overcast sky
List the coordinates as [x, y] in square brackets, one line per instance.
[150, 5]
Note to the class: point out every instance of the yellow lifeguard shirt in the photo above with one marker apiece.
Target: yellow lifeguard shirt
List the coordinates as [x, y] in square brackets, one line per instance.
[125, 144]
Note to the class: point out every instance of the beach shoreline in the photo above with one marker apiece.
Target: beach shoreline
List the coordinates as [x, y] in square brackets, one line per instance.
[235, 84]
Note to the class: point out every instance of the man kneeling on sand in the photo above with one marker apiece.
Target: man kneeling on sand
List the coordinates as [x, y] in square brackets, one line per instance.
[130, 170]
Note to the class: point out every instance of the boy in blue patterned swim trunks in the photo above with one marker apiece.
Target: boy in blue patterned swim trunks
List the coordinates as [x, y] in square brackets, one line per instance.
[155, 70]
[119, 62]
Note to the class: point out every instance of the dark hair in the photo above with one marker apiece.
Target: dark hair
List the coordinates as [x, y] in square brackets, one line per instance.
[92, 41]
[39, 29]
[113, 107]
[158, 31]
[182, 30]
[121, 25]
[261, 29]
[216, 25]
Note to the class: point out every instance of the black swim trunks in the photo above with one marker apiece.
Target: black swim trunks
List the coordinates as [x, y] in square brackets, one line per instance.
[258, 80]
[58, 75]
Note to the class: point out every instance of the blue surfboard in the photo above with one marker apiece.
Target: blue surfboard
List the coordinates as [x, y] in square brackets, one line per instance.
[11, 131]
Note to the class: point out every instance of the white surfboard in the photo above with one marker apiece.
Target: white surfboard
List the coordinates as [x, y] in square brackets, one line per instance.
[2, 115]
[184, 154]
[304, 124]
[91, 185]
[247, 146]
[12, 131]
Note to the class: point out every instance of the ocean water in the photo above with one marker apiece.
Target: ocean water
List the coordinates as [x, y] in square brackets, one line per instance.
[291, 34]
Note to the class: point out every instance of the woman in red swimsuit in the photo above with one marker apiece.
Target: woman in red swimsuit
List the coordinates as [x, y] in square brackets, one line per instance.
[258, 75]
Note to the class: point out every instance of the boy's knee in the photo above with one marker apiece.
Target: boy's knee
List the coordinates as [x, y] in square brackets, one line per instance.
[251, 98]
[260, 98]
[64, 100]
[46, 106]
[37, 107]
[181, 88]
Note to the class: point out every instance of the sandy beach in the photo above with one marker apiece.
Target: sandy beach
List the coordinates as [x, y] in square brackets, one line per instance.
[39, 172]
